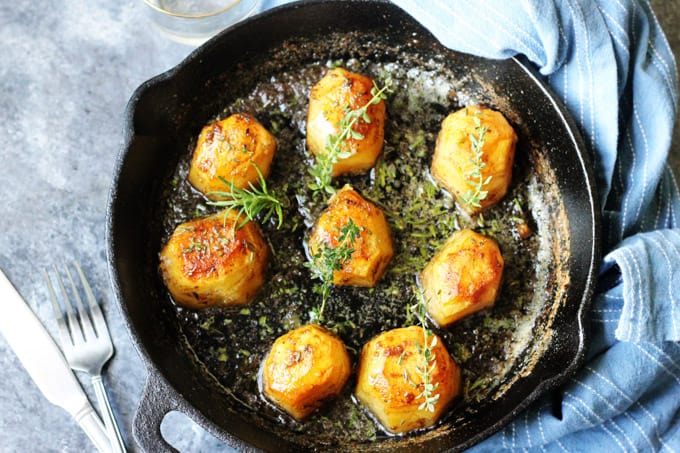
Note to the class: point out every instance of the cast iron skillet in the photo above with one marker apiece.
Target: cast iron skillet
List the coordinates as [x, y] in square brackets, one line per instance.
[165, 112]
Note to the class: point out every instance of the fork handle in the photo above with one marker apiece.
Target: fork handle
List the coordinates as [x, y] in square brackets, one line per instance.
[117, 444]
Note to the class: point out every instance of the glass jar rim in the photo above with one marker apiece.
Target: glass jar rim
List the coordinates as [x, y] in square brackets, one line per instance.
[154, 4]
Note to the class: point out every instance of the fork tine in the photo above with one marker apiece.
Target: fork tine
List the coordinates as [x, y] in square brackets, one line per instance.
[85, 321]
[95, 310]
[72, 323]
[64, 333]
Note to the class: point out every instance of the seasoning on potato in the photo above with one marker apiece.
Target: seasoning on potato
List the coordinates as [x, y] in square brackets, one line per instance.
[390, 379]
[373, 249]
[233, 149]
[473, 157]
[214, 261]
[337, 93]
[462, 278]
[305, 368]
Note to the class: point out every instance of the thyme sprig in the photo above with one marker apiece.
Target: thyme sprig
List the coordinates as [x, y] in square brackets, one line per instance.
[326, 260]
[428, 365]
[336, 144]
[250, 203]
[476, 194]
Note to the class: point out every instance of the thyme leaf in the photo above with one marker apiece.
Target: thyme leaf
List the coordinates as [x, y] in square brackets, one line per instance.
[250, 203]
[336, 144]
[326, 260]
[476, 193]
[428, 365]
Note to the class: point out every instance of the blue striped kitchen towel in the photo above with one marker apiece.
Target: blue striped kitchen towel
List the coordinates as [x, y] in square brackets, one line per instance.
[611, 65]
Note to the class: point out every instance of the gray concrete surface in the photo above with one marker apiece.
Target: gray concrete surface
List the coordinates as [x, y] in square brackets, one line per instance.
[66, 72]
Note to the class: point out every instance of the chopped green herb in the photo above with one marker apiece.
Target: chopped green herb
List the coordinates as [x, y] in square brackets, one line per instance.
[327, 260]
[476, 194]
[250, 202]
[336, 146]
[428, 393]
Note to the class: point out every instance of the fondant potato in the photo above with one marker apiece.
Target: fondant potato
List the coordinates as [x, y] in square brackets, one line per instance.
[463, 277]
[389, 383]
[230, 149]
[329, 100]
[452, 163]
[305, 368]
[211, 261]
[373, 249]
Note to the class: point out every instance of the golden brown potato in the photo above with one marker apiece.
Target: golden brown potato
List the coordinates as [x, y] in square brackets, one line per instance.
[210, 261]
[228, 149]
[462, 278]
[373, 248]
[305, 368]
[389, 385]
[329, 99]
[452, 164]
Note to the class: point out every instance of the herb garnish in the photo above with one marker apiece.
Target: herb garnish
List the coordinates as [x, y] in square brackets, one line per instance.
[474, 196]
[250, 202]
[326, 260]
[336, 146]
[429, 393]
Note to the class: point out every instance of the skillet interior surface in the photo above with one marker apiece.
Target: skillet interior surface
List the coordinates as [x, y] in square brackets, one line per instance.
[530, 341]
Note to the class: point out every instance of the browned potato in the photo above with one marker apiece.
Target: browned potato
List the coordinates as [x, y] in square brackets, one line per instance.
[373, 248]
[305, 368]
[228, 149]
[210, 261]
[453, 155]
[328, 102]
[389, 385]
[462, 278]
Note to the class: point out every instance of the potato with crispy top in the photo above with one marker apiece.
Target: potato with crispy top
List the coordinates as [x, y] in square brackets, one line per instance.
[329, 100]
[373, 249]
[305, 368]
[389, 383]
[211, 261]
[231, 149]
[463, 277]
[477, 180]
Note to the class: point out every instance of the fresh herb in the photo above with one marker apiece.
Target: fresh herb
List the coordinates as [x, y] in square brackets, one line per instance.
[471, 386]
[518, 204]
[326, 260]
[429, 393]
[195, 246]
[476, 194]
[336, 145]
[250, 202]
[222, 354]
[478, 383]
[200, 210]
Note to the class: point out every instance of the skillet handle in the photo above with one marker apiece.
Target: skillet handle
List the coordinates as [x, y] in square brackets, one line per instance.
[157, 401]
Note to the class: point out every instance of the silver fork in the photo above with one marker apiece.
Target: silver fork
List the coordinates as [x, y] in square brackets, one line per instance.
[85, 341]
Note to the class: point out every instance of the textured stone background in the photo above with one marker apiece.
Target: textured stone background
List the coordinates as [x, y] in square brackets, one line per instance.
[67, 70]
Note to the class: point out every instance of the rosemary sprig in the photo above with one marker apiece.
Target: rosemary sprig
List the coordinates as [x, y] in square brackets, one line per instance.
[250, 202]
[426, 369]
[326, 260]
[336, 144]
[476, 194]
